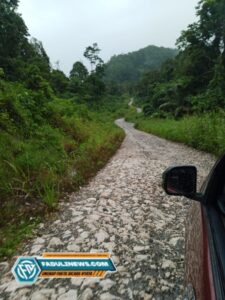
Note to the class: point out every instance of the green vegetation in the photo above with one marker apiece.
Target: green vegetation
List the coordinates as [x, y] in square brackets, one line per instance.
[47, 147]
[184, 100]
[13, 235]
[55, 132]
[194, 81]
[205, 132]
[126, 68]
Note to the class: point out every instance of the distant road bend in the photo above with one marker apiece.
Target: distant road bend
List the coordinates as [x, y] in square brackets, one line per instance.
[139, 110]
[125, 211]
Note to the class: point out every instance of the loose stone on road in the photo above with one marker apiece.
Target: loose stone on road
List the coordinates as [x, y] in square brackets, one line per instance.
[125, 211]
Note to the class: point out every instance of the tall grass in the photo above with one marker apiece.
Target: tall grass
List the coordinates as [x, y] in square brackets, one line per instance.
[205, 132]
[47, 147]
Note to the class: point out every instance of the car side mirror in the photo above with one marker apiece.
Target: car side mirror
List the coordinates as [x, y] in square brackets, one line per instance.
[181, 181]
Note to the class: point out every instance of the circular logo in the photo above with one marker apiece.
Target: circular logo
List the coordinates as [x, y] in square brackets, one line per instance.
[26, 270]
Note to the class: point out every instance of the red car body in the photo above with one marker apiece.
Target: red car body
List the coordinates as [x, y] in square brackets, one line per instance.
[198, 268]
[205, 230]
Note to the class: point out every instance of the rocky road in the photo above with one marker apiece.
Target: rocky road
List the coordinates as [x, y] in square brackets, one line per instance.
[125, 211]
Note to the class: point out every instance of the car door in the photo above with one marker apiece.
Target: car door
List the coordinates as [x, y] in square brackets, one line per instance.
[199, 282]
[205, 239]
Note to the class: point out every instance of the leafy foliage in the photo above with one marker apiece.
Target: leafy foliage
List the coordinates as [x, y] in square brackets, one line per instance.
[194, 80]
[205, 132]
[55, 132]
[92, 54]
[129, 67]
[48, 145]
[89, 85]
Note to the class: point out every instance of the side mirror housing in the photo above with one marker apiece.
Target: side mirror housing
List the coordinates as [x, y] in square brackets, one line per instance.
[181, 181]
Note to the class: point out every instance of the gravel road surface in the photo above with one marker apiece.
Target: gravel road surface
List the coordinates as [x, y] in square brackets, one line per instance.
[125, 211]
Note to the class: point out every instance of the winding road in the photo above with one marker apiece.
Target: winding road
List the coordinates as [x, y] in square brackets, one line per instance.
[125, 211]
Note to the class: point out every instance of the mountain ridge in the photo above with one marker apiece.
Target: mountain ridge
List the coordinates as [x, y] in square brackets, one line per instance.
[130, 66]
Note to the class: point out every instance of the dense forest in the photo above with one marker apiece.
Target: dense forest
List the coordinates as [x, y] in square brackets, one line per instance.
[194, 81]
[185, 99]
[126, 68]
[55, 131]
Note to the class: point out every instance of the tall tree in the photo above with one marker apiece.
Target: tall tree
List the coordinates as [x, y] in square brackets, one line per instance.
[78, 77]
[92, 54]
[39, 58]
[79, 71]
[59, 82]
[197, 77]
[207, 36]
[212, 25]
[13, 34]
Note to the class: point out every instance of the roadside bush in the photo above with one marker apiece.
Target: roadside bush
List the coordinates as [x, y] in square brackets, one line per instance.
[47, 147]
[205, 132]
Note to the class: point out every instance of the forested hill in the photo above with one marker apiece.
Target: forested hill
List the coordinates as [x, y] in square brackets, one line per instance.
[129, 67]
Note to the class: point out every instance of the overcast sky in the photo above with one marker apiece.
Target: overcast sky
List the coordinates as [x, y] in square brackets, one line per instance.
[67, 27]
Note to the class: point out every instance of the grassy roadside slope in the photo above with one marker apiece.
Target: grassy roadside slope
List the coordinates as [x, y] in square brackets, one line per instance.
[48, 146]
[204, 132]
